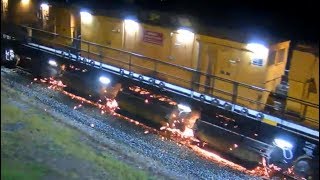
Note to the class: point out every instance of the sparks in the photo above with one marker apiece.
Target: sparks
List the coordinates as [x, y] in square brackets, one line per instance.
[181, 137]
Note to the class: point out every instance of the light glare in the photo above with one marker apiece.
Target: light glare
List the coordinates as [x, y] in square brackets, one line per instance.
[25, 2]
[53, 63]
[259, 50]
[44, 6]
[283, 144]
[104, 80]
[131, 26]
[86, 17]
[184, 36]
[184, 108]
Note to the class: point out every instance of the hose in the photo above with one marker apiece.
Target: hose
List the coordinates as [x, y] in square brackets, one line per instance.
[285, 154]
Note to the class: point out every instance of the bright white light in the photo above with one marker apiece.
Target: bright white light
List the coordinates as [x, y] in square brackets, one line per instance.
[44, 6]
[86, 17]
[4, 5]
[9, 55]
[259, 50]
[104, 80]
[185, 36]
[131, 26]
[53, 63]
[283, 144]
[25, 2]
[184, 108]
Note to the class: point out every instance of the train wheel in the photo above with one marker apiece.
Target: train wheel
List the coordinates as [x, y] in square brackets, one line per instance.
[13, 63]
[303, 166]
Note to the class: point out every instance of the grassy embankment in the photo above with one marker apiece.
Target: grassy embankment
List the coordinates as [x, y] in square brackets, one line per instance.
[31, 136]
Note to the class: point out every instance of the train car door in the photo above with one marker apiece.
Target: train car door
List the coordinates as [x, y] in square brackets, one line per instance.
[207, 59]
[182, 48]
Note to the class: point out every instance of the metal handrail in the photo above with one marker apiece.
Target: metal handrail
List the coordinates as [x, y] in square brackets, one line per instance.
[174, 65]
[152, 59]
[157, 61]
[180, 67]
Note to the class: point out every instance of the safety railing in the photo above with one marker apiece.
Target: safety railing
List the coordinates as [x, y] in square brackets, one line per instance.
[225, 89]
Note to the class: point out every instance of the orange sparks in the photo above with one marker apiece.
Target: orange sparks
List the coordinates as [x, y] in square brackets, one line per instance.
[187, 133]
[185, 137]
[142, 91]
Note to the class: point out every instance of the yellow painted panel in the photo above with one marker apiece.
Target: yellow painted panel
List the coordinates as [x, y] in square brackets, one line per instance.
[302, 65]
[270, 122]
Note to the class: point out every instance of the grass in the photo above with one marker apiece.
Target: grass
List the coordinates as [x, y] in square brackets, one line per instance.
[41, 131]
[11, 170]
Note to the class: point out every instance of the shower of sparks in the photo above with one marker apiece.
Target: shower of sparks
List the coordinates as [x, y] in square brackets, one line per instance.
[185, 137]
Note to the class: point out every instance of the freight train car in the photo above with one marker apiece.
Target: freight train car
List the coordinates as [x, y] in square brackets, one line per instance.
[236, 86]
[213, 66]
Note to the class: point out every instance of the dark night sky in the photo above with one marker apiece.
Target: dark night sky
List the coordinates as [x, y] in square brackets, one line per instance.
[295, 19]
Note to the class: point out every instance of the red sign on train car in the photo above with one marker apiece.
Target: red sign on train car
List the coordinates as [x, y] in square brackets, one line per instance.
[153, 37]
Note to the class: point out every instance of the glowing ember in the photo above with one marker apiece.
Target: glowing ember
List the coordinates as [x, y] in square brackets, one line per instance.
[274, 167]
[146, 101]
[187, 133]
[112, 104]
[216, 158]
[161, 98]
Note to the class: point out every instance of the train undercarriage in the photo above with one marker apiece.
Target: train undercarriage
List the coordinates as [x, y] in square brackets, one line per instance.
[236, 135]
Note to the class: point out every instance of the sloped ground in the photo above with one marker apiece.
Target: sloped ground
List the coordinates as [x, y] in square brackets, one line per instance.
[36, 145]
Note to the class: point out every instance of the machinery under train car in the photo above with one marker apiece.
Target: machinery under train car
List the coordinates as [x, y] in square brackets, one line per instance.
[234, 96]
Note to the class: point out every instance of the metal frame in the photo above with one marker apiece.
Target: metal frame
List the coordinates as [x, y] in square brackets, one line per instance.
[44, 38]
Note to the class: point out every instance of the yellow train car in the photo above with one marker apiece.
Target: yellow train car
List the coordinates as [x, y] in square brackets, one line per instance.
[19, 11]
[210, 56]
[304, 83]
[236, 71]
